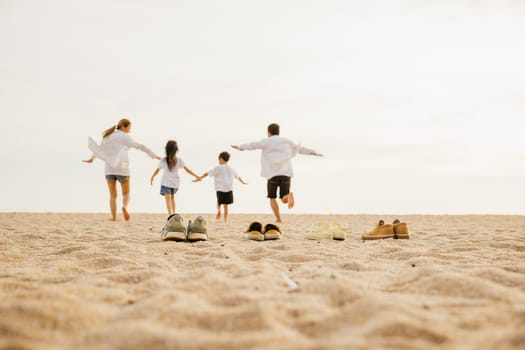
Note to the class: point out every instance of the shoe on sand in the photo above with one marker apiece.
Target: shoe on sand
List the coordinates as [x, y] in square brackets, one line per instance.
[197, 230]
[174, 229]
[400, 229]
[381, 231]
[319, 230]
[272, 231]
[254, 232]
[338, 231]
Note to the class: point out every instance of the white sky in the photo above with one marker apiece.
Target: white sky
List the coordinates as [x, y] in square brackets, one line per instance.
[417, 105]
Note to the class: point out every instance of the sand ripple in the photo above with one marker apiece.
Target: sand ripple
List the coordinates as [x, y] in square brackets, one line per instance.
[78, 281]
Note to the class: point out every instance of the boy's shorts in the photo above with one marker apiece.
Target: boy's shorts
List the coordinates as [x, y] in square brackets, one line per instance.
[283, 182]
[167, 190]
[224, 197]
[120, 178]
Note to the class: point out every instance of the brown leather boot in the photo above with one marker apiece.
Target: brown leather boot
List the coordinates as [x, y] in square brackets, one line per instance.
[400, 229]
[381, 231]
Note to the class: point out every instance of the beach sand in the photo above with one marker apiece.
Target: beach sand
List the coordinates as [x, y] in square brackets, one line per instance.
[78, 281]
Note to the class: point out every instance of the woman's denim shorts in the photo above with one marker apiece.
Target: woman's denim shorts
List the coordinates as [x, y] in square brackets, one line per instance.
[120, 178]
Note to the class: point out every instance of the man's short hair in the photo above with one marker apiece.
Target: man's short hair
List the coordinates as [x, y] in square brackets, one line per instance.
[273, 129]
[224, 156]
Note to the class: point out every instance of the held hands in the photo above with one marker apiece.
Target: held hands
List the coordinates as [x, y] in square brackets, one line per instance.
[90, 160]
[197, 179]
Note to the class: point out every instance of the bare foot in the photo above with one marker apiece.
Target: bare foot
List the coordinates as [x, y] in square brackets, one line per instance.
[126, 214]
[218, 216]
[291, 200]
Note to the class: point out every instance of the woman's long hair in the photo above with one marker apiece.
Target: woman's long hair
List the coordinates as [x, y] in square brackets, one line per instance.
[171, 151]
[122, 123]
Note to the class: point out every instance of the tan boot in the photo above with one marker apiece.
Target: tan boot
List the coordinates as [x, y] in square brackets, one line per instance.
[381, 231]
[400, 230]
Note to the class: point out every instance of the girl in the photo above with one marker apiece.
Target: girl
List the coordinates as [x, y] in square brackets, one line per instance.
[114, 151]
[170, 182]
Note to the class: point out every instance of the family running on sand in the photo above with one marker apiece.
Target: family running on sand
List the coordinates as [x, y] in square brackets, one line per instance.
[276, 166]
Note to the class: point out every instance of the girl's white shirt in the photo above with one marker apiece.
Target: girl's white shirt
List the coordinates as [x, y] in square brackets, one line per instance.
[113, 150]
[170, 178]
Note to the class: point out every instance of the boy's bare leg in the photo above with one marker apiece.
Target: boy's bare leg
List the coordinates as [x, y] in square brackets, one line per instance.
[112, 187]
[289, 198]
[125, 199]
[225, 212]
[173, 204]
[275, 209]
[218, 216]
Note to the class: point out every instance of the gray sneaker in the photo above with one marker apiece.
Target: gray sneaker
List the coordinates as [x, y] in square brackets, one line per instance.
[174, 229]
[197, 230]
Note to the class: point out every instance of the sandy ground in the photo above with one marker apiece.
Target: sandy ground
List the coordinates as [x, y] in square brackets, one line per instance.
[78, 281]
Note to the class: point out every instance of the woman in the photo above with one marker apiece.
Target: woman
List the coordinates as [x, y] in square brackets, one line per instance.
[114, 151]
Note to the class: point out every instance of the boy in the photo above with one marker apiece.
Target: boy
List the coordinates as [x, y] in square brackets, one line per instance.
[276, 165]
[224, 176]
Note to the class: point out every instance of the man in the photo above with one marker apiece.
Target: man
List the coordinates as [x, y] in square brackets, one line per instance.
[276, 165]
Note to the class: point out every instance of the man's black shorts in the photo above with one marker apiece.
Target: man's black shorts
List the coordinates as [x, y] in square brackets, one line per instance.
[281, 182]
[224, 197]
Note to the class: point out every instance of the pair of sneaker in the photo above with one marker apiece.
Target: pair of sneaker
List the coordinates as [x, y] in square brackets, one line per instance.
[323, 230]
[175, 230]
[396, 230]
[257, 232]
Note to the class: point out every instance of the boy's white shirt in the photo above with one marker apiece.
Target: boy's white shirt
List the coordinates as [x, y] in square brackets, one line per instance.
[114, 151]
[276, 156]
[171, 178]
[223, 176]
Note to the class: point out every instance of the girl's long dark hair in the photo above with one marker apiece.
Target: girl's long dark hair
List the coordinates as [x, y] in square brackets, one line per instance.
[171, 151]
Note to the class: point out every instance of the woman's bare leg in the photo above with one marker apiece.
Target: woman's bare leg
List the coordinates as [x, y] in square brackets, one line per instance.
[112, 187]
[125, 199]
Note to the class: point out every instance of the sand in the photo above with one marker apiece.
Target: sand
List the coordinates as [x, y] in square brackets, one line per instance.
[78, 281]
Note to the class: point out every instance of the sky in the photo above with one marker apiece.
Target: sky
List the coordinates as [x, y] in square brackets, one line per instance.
[417, 106]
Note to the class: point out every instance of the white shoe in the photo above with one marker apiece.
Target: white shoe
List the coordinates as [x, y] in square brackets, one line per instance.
[338, 231]
[319, 230]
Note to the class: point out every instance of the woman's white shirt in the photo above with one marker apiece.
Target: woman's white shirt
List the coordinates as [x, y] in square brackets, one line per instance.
[114, 151]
